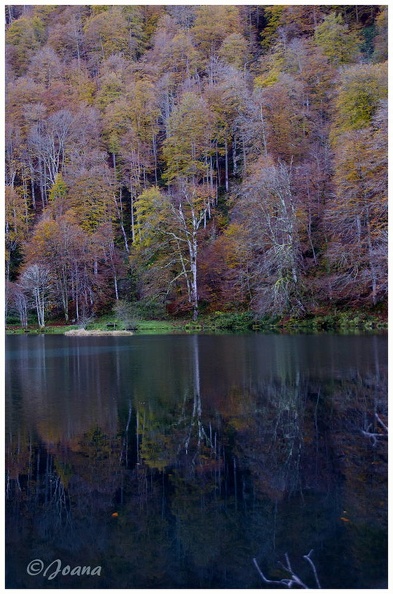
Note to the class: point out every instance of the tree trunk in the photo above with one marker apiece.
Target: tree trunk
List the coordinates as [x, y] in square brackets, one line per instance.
[263, 132]
[193, 248]
[371, 262]
[116, 286]
[40, 307]
[226, 167]
[132, 220]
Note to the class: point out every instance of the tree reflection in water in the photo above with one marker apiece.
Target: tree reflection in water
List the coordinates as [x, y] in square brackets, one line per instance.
[185, 490]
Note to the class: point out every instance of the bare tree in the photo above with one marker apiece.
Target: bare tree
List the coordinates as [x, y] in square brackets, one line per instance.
[16, 300]
[36, 281]
[267, 208]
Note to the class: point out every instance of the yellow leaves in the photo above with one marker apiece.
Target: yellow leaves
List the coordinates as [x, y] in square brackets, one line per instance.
[213, 24]
[91, 198]
[25, 29]
[190, 140]
[45, 230]
[234, 240]
[16, 215]
[272, 67]
[381, 39]
[233, 231]
[273, 15]
[95, 10]
[25, 35]
[107, 32]
[44, 240]
[150, 212]
[157, 447]
[180, 57]
[147, 202]
[263, 81]
[360, 92]
[358, 168]
[143, 110]
[234, 50]
[111, 88]
[58, 196]
[338, 43]
[83, 87]
[130, 114]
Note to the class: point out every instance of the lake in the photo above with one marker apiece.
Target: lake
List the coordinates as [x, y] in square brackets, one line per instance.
[174, 461]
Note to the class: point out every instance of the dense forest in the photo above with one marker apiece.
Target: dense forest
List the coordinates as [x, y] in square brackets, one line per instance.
[186, 160]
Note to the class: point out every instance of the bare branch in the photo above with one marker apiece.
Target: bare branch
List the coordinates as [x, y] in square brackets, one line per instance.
[375, 436]
[381, 422]
[294, 579]
[265, 578]
[308, 558]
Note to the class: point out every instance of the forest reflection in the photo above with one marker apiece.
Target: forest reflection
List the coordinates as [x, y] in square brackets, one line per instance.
[174, 461]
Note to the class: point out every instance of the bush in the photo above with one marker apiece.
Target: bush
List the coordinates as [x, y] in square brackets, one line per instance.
[234, 322]
[127, 313]
[150, 310]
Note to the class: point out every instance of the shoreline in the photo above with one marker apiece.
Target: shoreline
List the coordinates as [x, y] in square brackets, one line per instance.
[336, 322]
[83, 332]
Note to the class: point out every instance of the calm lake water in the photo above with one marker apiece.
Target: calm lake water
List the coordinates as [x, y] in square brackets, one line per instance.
[174, 461]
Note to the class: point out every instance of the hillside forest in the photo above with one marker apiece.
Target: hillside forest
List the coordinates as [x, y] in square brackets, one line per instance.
[189, 160]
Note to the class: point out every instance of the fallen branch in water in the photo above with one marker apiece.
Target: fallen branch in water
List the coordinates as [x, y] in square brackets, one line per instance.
[381, 422]
[311, 562]
[294, 579]
[376, 436]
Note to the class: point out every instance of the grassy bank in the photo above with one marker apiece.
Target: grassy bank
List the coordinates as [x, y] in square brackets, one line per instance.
[105, 324]
[339, 322]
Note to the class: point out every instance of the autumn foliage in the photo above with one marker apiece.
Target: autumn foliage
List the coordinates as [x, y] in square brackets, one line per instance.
[195, 158]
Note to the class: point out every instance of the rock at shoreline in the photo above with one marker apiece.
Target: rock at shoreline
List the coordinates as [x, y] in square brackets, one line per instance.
[83, 332]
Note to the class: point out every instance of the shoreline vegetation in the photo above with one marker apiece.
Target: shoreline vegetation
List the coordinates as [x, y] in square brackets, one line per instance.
[220, 322]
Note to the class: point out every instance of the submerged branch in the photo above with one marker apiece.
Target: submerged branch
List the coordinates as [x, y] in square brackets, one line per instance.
[294, 579]
[311, 562]
[381, 422]
[375, 436]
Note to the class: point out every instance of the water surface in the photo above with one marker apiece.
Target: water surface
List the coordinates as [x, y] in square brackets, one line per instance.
[174, 461]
